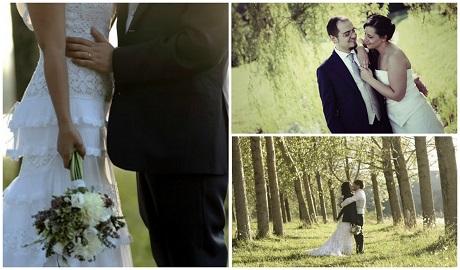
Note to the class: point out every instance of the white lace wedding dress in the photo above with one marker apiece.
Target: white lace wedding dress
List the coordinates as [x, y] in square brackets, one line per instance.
[412, 114]
[339, 244]
[35, 131]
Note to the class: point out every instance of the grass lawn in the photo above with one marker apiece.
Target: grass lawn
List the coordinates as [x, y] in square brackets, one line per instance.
[385, 246]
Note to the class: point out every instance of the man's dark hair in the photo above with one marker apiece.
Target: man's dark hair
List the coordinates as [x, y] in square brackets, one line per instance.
[359, 183]
[331, 27]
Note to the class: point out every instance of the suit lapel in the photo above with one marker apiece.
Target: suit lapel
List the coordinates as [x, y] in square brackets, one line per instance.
[122, 14]
[341, 70]
[138, 15]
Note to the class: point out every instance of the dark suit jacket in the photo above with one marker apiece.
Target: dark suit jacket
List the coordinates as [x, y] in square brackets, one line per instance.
[168, 113]
[343, 105]
[349, 213]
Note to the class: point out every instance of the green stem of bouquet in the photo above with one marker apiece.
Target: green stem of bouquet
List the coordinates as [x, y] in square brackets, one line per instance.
[76, 166]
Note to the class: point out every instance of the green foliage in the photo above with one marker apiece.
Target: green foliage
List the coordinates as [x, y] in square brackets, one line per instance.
[276, 49]
[328, 155]
[386, 246]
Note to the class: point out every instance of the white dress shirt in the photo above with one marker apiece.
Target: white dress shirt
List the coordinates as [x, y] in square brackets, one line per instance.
[360, 198]
[131, 10]
[370, 100]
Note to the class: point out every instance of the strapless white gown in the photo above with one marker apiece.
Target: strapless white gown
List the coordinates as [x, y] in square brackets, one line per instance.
[413, 114]
[42, 174]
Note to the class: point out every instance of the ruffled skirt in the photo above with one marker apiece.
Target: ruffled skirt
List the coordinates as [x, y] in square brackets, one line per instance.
[43, 175]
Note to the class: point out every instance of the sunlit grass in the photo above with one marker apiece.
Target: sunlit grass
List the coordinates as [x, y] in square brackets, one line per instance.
[385, 246]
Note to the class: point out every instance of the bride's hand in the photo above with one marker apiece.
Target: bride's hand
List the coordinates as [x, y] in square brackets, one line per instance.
[366, 74]
[363, 58]
[69, 140]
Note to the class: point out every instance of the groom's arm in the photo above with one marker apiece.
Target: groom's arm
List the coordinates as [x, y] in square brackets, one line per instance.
[356, 197]
[329, 102]
[200, 43]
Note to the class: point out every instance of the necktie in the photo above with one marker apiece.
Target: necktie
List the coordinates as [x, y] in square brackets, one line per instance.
[354, 65]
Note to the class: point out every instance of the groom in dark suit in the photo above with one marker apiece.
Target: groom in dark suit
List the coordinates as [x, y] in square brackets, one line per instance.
[349, 104]
[168, 121]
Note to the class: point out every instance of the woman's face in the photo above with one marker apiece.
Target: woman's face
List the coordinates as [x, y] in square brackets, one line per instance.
[371, 39]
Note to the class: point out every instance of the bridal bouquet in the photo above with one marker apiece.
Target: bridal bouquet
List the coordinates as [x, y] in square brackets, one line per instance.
[80, 223]
[356, 229]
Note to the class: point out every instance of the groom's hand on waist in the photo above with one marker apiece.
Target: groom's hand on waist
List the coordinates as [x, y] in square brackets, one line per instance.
[95, 55]
[421, 86]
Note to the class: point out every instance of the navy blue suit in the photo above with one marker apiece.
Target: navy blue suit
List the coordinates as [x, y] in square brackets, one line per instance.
[343, 105]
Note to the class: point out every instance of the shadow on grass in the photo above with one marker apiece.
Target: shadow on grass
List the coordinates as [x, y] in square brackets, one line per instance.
[300, 257]
[443, 244]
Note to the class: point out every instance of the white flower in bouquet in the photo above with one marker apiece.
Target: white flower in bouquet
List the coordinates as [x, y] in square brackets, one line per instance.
[94, 209]
[92, 246]
[58, 248]
[77, 200]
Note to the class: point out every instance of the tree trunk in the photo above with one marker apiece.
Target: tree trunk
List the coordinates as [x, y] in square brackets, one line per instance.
[377, 200]
[309, 197]
[260, 188]
[269, 202]
[315, 205]
[321, 197]
[274, 188]
[426, 195]
[288, 209]
[333, 202]
[283, 207]
[448, 174]
[347, 164]
[390, 182]
[375, 189]
[243, 229]
[404, 185]
[303, 210]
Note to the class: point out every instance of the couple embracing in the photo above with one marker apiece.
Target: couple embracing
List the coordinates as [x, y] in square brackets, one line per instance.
[372, 89]
[350, 223]
[167, 122]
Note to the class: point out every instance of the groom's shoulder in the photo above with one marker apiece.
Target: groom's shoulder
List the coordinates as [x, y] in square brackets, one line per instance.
[327, 63]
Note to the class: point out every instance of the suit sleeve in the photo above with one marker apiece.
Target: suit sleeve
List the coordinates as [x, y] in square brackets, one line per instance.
[200, 43]
[329, 103]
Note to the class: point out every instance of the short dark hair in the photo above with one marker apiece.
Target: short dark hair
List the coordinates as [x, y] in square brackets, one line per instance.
[359, 183]
[382, 25]
[331, 27]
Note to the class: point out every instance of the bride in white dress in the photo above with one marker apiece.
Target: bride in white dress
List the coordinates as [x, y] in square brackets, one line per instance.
[340, 243]
[63, 109]
[408, 110]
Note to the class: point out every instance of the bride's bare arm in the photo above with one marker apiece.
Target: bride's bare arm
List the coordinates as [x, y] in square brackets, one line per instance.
[363, 56]
[397, 76]
[49, 26]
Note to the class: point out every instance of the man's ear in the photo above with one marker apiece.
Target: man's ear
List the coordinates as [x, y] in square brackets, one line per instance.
[334, 39]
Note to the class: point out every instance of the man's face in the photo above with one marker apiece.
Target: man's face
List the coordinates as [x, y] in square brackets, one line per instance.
[346, 38]
[354, 187]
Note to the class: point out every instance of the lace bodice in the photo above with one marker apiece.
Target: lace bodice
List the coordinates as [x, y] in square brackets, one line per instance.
[34, 118]
[79, 18]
